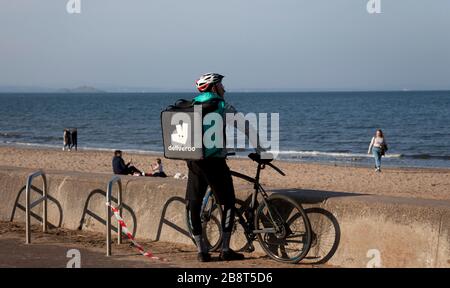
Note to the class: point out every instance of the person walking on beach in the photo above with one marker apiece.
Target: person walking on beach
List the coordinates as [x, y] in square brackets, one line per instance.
[378, 148]
[67, 139]
[74, 142]
[119, 166]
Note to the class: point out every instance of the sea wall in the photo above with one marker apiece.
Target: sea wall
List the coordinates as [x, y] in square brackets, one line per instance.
[352, 230]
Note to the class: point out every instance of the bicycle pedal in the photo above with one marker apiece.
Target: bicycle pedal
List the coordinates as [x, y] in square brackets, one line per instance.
[250, 249]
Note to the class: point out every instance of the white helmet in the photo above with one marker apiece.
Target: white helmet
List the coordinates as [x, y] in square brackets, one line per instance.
[207, 81]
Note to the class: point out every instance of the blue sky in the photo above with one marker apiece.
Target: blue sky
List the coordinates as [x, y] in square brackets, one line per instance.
[257, 44]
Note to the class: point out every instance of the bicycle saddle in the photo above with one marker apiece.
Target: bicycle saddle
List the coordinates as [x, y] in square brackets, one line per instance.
[257, 158]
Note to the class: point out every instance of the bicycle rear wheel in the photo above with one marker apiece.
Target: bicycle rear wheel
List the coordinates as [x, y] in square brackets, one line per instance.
[285, 231]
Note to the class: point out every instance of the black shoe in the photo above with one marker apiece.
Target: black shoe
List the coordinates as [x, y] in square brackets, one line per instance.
[230, 255]
[203, 257]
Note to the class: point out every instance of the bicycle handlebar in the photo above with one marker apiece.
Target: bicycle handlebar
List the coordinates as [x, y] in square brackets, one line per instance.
[257, 158]
[276, 169]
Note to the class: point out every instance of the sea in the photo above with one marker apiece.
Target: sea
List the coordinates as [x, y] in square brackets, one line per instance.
[323, 127]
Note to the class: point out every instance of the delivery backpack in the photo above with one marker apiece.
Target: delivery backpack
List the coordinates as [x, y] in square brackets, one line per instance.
[182, 129]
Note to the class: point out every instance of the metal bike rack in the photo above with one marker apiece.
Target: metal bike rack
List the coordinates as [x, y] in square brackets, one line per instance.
[29, 206]
[115, 179]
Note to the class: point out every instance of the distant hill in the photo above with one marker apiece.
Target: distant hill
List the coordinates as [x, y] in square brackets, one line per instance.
[81, 89]
[37, 89]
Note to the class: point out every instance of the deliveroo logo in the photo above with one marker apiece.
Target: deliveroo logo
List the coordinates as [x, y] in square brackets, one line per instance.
[180, 135]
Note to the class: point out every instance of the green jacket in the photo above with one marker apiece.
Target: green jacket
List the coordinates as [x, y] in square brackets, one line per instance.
[204, 98]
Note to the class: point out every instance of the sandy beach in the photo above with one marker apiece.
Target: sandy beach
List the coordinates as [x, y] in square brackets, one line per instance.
[403, 182]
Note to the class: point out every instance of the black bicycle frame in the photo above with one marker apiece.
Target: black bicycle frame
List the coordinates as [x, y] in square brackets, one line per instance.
[257, 189]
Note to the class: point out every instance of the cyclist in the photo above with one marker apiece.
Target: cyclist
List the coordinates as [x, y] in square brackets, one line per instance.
[212, 171]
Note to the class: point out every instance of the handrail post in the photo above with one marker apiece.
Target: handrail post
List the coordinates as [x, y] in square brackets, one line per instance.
[44, 205]
[114, 179]
[27, 211]
[28, 205]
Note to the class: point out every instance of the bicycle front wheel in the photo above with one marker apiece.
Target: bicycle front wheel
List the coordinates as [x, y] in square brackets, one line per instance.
[211, 226]
[283, 229]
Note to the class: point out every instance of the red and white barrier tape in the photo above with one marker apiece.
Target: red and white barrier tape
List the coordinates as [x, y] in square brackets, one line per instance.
[124, 229]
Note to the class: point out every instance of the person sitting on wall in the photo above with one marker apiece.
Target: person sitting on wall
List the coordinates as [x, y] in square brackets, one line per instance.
[119, 166]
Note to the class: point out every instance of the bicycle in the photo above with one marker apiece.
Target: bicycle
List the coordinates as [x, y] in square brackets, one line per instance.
[276, 221]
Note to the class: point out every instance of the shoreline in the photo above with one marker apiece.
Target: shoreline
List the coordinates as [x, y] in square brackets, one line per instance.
[354, 164]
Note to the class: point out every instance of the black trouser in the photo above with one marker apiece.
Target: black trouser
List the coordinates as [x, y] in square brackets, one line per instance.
[131, 170]
[74, 144]
[195, 207]
[159, 174]
[212, 172]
